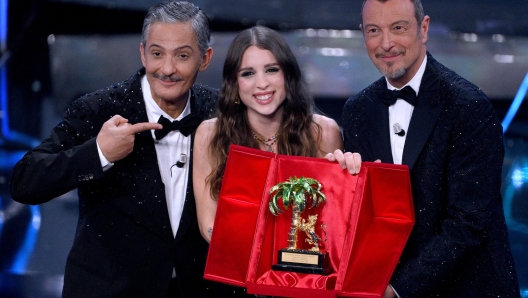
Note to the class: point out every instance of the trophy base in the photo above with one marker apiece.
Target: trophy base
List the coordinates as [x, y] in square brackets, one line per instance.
[303, 261]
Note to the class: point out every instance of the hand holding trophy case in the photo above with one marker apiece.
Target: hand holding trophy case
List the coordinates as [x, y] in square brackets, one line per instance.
[318, 206]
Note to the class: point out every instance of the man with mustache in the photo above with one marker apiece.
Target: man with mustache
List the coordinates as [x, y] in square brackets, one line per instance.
[137, 233]
[445, 129]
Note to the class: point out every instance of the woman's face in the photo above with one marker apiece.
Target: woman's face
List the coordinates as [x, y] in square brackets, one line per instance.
[261, 85]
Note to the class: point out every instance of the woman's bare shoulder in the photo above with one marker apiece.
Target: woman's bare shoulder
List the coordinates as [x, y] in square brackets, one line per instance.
[330, 135]
[207, 125]
[209, 122]
[206, 129]
[325, 122]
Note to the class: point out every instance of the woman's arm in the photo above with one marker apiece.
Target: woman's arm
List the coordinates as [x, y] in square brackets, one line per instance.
[331, 145]
[330, 138]
[202, 167]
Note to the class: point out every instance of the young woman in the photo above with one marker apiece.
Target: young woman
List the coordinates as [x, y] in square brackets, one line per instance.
[263, 104]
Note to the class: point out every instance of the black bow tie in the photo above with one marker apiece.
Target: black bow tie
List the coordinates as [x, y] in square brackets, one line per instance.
[185, 126]
[389, 97]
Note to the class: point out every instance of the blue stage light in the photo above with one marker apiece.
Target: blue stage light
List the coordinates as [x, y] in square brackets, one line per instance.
[519, 176]
[3, 25]
[521, 94]
[22, 257]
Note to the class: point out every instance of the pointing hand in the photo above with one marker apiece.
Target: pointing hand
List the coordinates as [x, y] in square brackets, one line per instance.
[116, 138]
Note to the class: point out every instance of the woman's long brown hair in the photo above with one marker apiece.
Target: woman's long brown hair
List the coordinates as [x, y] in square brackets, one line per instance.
[297, 129]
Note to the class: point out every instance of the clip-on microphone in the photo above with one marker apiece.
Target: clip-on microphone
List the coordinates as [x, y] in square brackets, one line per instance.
[180, 163]
[398, 130]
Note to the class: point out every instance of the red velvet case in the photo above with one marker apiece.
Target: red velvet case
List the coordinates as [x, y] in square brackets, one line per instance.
[368, 217]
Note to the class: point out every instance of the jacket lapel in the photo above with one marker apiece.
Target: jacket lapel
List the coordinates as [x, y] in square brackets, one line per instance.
[425, 115]
[153, 194]
[189, 207]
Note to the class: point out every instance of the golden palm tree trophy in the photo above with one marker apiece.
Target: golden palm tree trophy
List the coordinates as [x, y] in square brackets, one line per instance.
[299, 193]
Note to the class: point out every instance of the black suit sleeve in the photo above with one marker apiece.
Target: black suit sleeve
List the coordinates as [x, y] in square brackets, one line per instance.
[63, 162]
[357, 129]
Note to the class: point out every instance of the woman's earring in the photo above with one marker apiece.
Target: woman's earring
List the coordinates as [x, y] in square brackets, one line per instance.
[237, 99]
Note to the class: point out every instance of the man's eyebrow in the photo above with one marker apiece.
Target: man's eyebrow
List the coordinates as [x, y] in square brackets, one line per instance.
[392, 24]
[176, 49]
[400, 22]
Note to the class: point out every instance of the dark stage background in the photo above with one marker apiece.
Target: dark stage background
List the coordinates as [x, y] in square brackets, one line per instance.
[54, 51]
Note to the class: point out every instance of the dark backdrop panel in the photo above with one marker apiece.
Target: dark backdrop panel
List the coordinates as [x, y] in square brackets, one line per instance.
[479, 16]
[334, 62]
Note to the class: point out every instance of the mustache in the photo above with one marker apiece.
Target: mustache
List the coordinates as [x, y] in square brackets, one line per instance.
[385, 54]
[167, 78]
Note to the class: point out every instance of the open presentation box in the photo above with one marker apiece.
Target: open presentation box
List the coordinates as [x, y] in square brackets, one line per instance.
[366, 222]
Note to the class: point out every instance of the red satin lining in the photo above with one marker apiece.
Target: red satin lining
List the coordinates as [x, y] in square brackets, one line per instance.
[300, 280]
[362, 214]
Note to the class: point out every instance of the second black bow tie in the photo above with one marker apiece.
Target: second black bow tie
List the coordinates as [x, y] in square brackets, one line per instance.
[389, 97]
[186, 125]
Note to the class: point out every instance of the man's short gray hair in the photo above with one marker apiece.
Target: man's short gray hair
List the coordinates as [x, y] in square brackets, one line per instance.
[179, 12]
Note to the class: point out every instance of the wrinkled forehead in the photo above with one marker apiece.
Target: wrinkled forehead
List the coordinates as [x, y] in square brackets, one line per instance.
[379, 13]
[175, 34]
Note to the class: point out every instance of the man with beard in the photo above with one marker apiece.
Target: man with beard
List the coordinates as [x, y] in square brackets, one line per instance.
[445, 130]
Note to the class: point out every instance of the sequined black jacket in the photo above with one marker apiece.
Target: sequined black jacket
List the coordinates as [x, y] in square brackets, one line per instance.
[124, 246]
[454, 148]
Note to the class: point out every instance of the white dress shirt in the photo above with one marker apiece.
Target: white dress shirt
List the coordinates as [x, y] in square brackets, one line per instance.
[401, 112]
[169, 151]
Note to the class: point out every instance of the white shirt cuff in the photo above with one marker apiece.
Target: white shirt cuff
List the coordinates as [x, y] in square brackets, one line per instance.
[104, 162]
[394, 291]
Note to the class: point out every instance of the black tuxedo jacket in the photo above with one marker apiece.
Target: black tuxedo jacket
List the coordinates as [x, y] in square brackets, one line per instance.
[124, 246]
[459, 245]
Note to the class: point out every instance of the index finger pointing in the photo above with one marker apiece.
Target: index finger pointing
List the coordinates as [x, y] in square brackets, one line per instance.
[143, 126]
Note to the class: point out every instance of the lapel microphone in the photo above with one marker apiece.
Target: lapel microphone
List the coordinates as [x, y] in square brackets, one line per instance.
[398, 130]
[180, 163]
